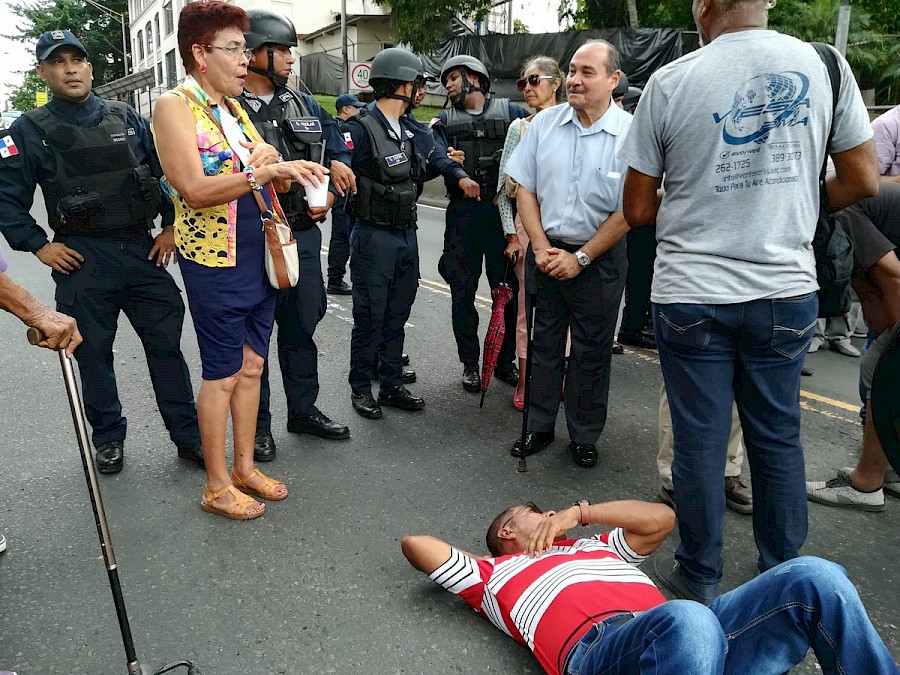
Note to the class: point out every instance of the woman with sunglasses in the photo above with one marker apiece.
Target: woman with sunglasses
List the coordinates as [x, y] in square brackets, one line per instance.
[214, 160]
[540, 82]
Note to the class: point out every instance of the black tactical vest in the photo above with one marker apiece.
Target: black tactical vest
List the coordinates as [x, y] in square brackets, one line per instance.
[389, 200]
[99, 187]
[297, 134]
[481, 137]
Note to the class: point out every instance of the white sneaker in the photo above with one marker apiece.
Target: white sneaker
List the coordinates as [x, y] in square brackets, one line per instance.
[840, 492]
[891, 483]
[815, 344]
[844, 347]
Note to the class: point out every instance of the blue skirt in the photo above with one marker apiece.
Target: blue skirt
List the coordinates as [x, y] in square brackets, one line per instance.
[232, 306]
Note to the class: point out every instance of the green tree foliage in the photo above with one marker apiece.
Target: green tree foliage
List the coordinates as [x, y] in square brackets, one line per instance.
[519, 27]
[22, 97]
[423, 23]
[100, 33]
[582, 14]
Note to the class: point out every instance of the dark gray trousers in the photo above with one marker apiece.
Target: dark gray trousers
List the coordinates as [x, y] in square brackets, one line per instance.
[589, 305]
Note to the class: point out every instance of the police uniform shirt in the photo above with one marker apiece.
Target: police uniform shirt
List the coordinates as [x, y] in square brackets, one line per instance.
[452, 171]
[27, 161]
[363, 159]
[573, 170]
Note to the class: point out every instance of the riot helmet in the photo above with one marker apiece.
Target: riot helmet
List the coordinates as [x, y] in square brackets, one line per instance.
[466, 64]
[395, 65]
[269, 28]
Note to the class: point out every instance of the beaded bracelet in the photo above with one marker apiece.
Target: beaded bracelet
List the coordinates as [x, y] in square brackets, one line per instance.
[250, 179]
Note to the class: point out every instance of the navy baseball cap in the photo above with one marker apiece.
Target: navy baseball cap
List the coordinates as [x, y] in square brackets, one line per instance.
[621, 88]
[50, 41]
[348, 99]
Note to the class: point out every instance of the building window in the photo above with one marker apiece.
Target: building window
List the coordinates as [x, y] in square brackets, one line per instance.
[159, 75]
[156, 21]
[171, 70]
[170, 18]
[148, 29]
[140, 44]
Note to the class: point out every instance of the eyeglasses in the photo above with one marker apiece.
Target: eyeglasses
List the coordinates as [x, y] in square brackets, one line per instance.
[236, 52]
[533, 80]
[528, 506]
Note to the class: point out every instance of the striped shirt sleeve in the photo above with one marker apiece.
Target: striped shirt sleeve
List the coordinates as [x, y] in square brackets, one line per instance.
[615, 539]
[460, 573]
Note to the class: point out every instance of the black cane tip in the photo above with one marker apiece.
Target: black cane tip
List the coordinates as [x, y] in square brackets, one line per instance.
[522, 466]
[481, 405]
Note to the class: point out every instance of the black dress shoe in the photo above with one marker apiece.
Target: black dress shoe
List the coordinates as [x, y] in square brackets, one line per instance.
[404, 360]
[193, 453]
[471, 380]
[617, 348]
[637, 338]
[409, 377]
[584, 454]
[535, 441]
[111, 457]
[400, 397]
[338, 287]
[508, 374]
[264, 447]
[806, 371]
[318, 424]
[366, 406]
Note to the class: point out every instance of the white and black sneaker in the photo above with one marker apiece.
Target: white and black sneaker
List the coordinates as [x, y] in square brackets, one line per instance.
[2, 543]
[839, 491]
[891, 484]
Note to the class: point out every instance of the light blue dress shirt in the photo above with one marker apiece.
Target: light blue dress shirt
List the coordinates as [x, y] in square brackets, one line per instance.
[573, 171]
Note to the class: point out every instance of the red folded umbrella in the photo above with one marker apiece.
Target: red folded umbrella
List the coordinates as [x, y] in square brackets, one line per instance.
[494, 337]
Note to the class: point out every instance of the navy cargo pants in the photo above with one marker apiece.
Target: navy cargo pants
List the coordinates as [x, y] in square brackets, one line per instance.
[115, 277]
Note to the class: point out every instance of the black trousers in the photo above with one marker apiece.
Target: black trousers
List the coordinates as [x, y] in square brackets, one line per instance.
[589, 305]
[384, 269]
[297, 313]
[115, 277]
[474, 235]
[641, 247]
[339, 246]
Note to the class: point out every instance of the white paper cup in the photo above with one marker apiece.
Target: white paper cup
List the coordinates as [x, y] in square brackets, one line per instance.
[317, 197]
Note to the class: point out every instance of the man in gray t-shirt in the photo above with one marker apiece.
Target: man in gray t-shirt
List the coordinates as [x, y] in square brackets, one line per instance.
[739, 130]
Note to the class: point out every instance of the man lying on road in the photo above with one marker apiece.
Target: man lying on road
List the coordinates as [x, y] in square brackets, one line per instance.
[583, 606]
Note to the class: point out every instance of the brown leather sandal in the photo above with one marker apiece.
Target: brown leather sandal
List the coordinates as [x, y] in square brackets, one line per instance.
[266, 491]
[236, 510]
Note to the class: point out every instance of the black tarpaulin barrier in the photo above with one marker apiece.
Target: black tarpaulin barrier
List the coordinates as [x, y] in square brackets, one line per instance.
[642, 50]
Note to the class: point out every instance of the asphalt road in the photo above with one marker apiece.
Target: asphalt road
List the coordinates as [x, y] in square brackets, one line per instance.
[318, 585]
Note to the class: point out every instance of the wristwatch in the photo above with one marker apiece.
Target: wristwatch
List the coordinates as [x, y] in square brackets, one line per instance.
[585, 507]
[582, 258]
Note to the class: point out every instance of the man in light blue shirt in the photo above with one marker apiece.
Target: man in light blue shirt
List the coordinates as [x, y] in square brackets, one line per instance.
[570, 203]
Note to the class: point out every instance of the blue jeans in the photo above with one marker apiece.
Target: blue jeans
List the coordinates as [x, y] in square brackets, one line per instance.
[712, 356]
[765, 626]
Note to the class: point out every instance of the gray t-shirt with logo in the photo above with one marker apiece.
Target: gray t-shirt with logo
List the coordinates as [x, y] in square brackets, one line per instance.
[737, 130]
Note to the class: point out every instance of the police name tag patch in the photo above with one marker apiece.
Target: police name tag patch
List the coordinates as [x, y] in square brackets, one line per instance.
[348, 139]
[396, 160]
[306, 126]
[8, 147]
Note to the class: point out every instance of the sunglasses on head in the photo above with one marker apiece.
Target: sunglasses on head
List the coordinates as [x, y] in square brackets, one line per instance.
[533, 80]
[528, 506]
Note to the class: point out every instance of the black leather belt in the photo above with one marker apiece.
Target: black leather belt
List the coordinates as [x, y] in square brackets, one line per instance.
[565, 246]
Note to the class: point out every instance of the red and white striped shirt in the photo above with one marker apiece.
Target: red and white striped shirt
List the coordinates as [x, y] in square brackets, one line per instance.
[549, 603]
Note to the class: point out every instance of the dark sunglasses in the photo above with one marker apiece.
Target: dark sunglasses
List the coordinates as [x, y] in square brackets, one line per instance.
[533, 80]
[528, 505]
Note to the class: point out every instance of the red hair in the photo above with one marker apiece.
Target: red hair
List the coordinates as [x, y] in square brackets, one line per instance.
[199, 22]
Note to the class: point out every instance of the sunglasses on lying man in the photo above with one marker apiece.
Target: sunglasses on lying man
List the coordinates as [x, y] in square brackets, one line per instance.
[533, 80]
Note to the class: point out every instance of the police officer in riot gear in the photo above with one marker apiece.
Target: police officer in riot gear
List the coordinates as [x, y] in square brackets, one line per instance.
[476, 125]
[99, 174]
[295, 124]
[389, 156]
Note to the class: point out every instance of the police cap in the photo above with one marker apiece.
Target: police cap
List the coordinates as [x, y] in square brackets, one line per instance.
[465, 61]
[396, 64]
[268, 27]
[52, 40]
[621, 88]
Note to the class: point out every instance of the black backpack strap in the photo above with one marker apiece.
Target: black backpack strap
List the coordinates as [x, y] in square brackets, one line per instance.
[829, 58]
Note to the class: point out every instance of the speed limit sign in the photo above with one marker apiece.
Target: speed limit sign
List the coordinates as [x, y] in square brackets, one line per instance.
[359, 76]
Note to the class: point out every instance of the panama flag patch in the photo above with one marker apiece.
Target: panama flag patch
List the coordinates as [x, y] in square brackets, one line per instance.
[348, 139]
[8, 147]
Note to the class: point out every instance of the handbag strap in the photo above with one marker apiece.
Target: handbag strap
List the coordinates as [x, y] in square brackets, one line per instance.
[829, 58]
[264, 211]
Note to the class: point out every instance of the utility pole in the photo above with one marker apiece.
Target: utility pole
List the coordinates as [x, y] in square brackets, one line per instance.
[121, 19]
[346, 62]
[510, 26]
[842, 31]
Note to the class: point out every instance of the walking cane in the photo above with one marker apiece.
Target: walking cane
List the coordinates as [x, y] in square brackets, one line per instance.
[109, 557]
[522, 466]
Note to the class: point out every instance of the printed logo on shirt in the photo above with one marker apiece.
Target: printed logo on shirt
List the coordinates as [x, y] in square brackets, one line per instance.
[348, 139]
[130, 131]
[765, 103]
[396, 160]
[8, 147]
[286, 96]
[255, 104]
[409, 134]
